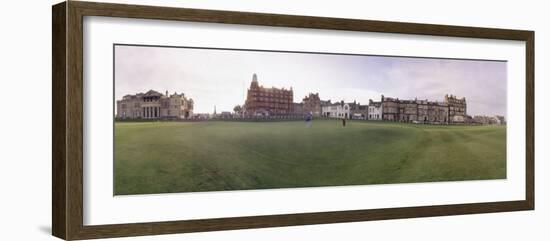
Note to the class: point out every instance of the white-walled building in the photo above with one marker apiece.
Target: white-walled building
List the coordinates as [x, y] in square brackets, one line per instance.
[337, 110]
[374, 110]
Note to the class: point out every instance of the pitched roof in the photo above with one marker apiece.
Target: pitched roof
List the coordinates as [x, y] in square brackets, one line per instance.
[152, 93]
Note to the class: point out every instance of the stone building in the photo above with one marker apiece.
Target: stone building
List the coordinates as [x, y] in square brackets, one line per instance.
[438, 112]
[358, 111]
[312, 104]
[390, 108]
[451, 110]
[457, 108]
[298, 109]
[154, 105]
[261, 101]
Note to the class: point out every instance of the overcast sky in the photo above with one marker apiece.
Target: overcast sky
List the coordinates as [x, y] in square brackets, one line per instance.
[220, 77]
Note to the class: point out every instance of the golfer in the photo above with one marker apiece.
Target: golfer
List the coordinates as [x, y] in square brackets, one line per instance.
[308, 120]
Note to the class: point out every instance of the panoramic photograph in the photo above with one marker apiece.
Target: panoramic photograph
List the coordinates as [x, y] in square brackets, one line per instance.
[189, 119]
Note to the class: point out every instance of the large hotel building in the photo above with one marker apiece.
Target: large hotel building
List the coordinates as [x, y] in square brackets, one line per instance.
[267, 101]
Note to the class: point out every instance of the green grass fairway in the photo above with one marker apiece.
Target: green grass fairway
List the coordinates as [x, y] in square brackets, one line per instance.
[161, 157]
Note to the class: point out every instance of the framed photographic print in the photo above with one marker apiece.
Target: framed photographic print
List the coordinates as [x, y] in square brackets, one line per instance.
[170, 120]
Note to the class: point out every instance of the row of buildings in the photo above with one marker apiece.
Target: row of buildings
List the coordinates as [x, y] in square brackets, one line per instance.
[264, 102]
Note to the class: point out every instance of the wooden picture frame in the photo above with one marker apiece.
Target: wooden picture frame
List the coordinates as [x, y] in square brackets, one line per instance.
[67, 123]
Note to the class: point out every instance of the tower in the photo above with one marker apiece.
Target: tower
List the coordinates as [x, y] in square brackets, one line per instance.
[254, 83]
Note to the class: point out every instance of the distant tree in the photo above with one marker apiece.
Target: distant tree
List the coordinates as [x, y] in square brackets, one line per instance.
[237, 109]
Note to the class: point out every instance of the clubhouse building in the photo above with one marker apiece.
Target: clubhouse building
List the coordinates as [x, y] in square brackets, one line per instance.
[154, 105]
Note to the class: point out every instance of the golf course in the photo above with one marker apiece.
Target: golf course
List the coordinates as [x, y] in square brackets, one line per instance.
[165, 157]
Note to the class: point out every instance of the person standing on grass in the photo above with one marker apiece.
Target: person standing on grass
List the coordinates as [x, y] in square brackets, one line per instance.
[344, 122]
[308, 120]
